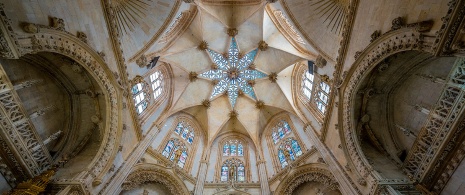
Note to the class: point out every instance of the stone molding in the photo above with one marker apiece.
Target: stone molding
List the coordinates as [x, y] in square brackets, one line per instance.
[149, 43]
[311, 172]
[62, 42]
[152, 173]
[230, 2]
[448, 36]
[8, 39]
[179, 25]
[392, 42]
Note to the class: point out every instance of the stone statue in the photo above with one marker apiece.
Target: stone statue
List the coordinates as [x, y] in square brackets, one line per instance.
[232, 172]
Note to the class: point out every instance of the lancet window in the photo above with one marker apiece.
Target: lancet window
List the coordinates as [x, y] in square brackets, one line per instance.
[280, 131]
[233, 148]
[139, 94]
[185, 131]
[156, 80]
[233, 170]
[289, 149]
[321, 98]
[307, 85]
[176, 151]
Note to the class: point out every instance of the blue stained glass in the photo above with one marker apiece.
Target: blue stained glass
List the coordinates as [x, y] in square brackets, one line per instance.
[233, 53]
[246, 88]
[185, 132]
[296, 148]
[214, 74]
[275, 137]
[182, 159]
[226, 150]
[240, 150]
[233, 92]
[241, 173]
[219, 60]
[220, 88]
[224, 173]
[247, 60]
[281, 132]
[233, 73]
[282, 158]
[178, 128]
[233, 150]
[286, 126]
[168, 147]
[253, 74]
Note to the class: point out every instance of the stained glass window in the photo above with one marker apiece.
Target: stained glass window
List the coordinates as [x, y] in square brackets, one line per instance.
[291, 148]
[321, 98]
[241, 172]
[233, 149]
[156, 79]
[226, 149]
[307, 84]
[233, 167]
[280, 131]
[185, 131]
[139, 96]
[175, 149]
[240, 150]
[224, 172]
[233, 73]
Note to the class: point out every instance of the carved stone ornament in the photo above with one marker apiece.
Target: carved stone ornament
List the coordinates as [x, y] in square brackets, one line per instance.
[325, 78]
[206, 103]
[423, 26]
[259, 104]
[273, 77]
[233, 114]
[82, 36]
[148, 175]
[203, 45]
[188, 1]
[142, 61]
[30, 28]
[193, 76]
[262, 45]
[375, 35]
[232, 32]
[320, 62]
[271, 1]
[58, 24]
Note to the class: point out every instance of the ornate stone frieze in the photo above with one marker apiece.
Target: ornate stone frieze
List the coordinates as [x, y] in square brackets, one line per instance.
[146, 175]
[179, 25]
[438, 126]
[392, 42]
[447, 36]
[307, 175]
[69, 45]
[288, 28]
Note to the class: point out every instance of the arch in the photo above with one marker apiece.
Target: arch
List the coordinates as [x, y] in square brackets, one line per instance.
[198, 135]
[149, 173]
[274, 147]
[390, 43]
[310, 172]
[62, 42]
[221, 159]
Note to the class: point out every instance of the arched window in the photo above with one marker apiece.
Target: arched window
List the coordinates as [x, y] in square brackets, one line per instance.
[321, 99]
[307, 85]
[233, 148]
[156, 80]
[280, 131]
[185, 131]
[140, 97]
[288, 150]
[232, 170]
[176, 151]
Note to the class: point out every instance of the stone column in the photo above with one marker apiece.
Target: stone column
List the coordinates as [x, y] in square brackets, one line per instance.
[344, 182]
[265, 188]
[201, 178]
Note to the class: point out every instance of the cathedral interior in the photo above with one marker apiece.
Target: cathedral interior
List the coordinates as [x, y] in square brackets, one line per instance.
[241, 97]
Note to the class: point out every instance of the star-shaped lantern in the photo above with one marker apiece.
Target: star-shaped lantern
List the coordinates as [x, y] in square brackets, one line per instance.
[233, 73]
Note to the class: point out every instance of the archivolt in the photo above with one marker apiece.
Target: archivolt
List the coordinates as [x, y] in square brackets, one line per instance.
[153, 173]
[390, 43]
[64, 43]
[311, 172]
